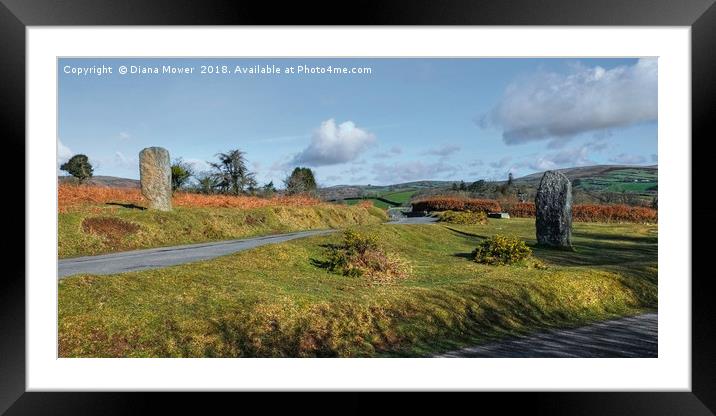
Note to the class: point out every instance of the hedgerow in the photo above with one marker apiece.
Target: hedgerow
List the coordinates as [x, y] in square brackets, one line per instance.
[456, 204]
[594, 213]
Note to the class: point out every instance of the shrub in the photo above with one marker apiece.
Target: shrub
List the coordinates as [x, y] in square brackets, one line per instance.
[360, 255]
[462, 217]
[500, 250]
[456, 204]
[181, 172]
[79, 167]
[301, 181]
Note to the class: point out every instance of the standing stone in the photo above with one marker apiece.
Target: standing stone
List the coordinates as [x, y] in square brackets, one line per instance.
[155, 175]
[553, 205]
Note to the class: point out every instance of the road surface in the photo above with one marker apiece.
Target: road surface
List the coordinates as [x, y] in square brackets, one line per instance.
[632, 337]
[168, 256]
[154, 258]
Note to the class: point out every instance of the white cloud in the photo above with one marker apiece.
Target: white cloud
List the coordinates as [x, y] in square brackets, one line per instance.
[501, 163]
[125, 162]
[443, 151]
[332, 144]
[353, 170]
[565, 158]
[557, 107]
[124, 135]
[393, 151]
[64, 153]
[411, 171]
[198, 165]
[626, 159]
[575, 156]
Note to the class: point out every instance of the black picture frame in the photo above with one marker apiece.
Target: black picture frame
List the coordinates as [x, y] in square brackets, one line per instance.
[16, 15]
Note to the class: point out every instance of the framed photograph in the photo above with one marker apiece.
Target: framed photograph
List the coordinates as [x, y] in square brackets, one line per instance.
[463, 197]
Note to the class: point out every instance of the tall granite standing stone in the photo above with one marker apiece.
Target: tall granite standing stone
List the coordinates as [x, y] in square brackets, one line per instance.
[553, 205]
[155, 175]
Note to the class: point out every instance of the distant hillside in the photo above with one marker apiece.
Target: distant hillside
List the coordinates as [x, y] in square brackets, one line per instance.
[606, 178]
[356, 191]
[110, 181]
[590, 180]
[582, 172]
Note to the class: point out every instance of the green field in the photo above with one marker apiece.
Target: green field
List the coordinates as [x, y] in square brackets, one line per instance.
[622, 180]
[398, 198]
[275, 300]
[100, 229]
[401, 197]
[376, 202]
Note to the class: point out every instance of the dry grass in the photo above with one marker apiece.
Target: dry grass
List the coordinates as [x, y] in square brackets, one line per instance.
[71, 197]
[112, 230]
[275, 300]
[96, 220]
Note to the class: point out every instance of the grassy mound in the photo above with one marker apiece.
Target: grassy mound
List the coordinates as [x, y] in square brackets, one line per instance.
[97, 229]
[274, 301]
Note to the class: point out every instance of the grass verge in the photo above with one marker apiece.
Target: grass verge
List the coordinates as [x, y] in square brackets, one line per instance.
[274, 301]
[98, 229]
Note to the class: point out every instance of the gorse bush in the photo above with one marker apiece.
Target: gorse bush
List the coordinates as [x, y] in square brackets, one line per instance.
[456, 204]
[462, 217]
[360, 255]
[501, 250]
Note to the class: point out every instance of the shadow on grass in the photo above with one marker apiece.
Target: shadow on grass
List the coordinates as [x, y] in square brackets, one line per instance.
[321, 264]
[597, 253]
[130, 206]
[324, 264]
[465, 233]
[616, 237]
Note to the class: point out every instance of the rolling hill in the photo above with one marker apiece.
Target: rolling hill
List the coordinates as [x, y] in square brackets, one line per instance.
[109, 181]
[640, 180]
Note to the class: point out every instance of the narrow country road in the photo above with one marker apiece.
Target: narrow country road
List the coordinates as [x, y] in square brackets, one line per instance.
[631, 337]
[154, 258]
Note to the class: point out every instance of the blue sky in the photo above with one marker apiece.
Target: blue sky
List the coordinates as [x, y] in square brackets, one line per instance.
[409, 119]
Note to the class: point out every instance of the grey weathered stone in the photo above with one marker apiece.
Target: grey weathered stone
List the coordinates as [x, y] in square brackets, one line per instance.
[155, 175]
[553, 205]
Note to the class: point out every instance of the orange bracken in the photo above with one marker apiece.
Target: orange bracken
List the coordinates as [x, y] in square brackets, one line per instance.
[72, 196]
